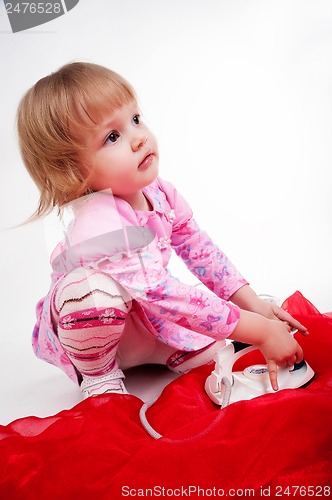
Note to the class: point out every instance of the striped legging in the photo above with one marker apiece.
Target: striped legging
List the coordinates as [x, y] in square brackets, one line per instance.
[102, 335]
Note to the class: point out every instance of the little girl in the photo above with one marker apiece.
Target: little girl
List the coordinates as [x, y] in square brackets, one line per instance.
[112, 303]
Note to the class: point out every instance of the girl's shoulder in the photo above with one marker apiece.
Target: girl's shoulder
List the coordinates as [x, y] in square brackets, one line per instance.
[88, 224]
[165, 195]
[98, 213]
[175, 201]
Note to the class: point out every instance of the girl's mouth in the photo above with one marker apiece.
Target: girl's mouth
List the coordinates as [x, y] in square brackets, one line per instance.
[146, 162]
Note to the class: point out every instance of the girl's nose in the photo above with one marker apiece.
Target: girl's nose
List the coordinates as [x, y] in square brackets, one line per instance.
[138, 141]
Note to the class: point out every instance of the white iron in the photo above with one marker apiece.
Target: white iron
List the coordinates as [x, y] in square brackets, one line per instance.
[224, 386]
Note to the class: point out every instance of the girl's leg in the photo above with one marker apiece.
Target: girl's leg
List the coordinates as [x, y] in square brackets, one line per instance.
[184, 361]
[100, 334]
[138, 346]
[90, 310]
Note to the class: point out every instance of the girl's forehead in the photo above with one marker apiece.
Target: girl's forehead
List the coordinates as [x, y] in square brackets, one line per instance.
[116, 118]
[95, 115]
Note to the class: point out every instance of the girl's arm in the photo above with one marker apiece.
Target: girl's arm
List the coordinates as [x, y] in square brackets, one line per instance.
[247, 300]
[204, 259]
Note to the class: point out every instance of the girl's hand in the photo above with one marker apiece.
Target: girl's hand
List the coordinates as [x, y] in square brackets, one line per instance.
[272, 311]
[279, 349]
[247, 299]
[273, 337]
[269, 327]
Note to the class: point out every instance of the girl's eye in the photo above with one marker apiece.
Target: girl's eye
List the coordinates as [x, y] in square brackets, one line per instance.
[112, 137]
[137, 119]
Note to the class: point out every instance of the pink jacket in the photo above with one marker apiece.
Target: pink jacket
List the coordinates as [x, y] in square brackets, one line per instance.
[134, 248]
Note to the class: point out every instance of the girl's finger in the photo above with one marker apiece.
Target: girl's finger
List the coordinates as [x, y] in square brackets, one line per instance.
[273, 374]
[285, 316]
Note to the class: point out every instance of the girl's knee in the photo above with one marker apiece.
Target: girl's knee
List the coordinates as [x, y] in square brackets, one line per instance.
[86, 288]
[90, 311]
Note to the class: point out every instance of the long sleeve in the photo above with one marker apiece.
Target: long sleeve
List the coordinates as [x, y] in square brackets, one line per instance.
[200, 254]
[206, 261]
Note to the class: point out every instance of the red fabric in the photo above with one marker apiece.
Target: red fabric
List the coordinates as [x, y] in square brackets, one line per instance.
[99, 449]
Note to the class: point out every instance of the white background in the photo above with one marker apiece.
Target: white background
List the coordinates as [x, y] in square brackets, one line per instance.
[239, 95]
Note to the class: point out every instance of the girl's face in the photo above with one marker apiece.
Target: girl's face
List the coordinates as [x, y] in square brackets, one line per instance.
[122, 154]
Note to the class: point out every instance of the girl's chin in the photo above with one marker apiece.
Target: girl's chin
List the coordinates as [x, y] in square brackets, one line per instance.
[150, 174]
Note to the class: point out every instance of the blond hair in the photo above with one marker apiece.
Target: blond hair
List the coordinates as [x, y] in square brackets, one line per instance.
[70, 99]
